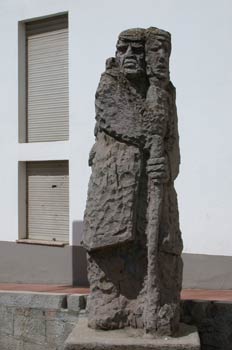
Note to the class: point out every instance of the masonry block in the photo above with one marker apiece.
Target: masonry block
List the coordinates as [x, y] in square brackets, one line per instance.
[9, 343]
[57, 331]
[27, 328]
[6, 321]
[76, 302]
[33, 300]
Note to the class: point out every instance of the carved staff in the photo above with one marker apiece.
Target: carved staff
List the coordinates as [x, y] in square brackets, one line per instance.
[157, 48]
[154, 213]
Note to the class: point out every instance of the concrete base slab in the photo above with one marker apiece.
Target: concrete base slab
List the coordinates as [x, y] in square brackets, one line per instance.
[84, 338]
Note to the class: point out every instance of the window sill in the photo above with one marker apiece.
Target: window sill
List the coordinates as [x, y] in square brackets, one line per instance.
[46, 243]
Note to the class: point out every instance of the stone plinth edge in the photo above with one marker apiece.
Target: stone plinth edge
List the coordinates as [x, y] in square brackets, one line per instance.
[85, 338]
[34, 300]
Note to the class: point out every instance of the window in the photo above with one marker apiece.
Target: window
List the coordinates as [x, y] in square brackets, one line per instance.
[47, 102]
[47, 201]
[43, 117]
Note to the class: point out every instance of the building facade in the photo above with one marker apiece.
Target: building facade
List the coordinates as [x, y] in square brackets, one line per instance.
[53, 53]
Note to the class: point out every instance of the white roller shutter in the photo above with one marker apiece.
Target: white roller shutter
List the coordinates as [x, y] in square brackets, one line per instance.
[48, 201]
[47, 80]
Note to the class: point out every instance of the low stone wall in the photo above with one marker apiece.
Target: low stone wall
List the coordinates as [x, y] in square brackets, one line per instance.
[213, 321]
[37, 321]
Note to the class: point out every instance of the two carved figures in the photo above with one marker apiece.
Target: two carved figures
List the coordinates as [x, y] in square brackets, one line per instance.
[131, 225]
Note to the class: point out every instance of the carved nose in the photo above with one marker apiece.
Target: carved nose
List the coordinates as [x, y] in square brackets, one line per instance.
[161, 59]
[161, 56]
[129, 50]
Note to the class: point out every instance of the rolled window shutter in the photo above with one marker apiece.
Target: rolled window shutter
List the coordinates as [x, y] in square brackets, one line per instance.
[48, 201]
[47, 80]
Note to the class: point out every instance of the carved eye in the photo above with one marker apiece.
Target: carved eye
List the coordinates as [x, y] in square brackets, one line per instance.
[155, 48]
[122, 48]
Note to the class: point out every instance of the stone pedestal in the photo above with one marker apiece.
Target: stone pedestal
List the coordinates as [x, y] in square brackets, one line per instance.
[85, 338]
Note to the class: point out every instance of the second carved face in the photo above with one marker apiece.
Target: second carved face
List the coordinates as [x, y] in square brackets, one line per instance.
[157, 58]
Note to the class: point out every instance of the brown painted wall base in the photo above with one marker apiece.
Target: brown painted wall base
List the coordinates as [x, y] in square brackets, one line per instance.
[24, 263]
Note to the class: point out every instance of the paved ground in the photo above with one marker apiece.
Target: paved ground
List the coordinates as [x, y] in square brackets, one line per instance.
[187, 294]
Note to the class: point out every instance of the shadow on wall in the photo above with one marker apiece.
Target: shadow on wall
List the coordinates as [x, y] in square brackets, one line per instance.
[79, 261]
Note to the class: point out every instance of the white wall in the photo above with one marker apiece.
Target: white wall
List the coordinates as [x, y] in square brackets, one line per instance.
[200, 70]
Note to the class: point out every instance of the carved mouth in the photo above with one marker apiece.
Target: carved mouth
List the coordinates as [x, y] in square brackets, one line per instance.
[161, 68]
[130, 63]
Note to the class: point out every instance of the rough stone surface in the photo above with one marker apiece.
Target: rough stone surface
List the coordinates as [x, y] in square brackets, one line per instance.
[37, 300]
[77, 302]
[43, 323]
[84, 338]
[131, 224]
[213, 320]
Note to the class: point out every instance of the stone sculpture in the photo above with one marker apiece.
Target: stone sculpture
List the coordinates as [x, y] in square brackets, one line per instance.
[131, 224]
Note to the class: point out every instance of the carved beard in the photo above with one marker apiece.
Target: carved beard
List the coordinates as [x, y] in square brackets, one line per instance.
[131, 69]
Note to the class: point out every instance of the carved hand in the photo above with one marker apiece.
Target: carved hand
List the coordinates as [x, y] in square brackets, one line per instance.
[158, 169]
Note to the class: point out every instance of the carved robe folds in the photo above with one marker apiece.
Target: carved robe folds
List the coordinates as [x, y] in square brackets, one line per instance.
[131, 224]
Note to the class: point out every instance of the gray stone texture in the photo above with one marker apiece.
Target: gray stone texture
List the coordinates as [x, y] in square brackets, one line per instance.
[84, 338]
[131, 224]
[77, 302]
[37, 320]
[19, 324]
[37, 300]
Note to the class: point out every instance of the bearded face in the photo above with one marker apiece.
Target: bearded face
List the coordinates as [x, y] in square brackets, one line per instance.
[144, 53]
[130, 56]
